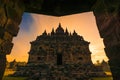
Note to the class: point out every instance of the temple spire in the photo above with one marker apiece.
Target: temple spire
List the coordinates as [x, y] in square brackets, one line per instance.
[74, 33]
[70, 33]
[59, 30]
[44, 33]
[59, 25]
[66, 32]
[52, 33]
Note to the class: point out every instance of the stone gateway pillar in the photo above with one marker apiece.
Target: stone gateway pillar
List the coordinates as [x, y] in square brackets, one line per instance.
[107, 16]
[10, 17]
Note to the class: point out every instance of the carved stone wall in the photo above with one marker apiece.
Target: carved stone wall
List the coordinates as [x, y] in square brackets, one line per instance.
[10, 17]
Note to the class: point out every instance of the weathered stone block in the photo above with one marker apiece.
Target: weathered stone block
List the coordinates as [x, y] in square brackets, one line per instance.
[5, 47]
[1, 41]
[113, 53]
[15, 11]
[12, 14]
[99, 7]
[12, 27]
[8, 36]
[2, 2]
[2, 30]
[3, 17]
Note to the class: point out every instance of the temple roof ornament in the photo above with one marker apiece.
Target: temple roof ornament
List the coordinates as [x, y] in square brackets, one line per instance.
[59, 30]
[74, 33]
[44, 33]
[66, 32]
[59, 34]
[52, 33]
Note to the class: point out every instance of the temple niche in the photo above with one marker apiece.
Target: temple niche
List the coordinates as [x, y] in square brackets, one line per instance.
[59, 55]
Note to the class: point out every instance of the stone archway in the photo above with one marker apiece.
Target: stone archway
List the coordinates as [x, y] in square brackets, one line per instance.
[106, 12]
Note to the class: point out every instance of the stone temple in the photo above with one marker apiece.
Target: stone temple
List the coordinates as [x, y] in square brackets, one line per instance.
[60, 55]
[60, 48]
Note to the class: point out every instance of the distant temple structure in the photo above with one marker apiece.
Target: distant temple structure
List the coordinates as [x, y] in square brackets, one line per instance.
[59, 48]
[60, 55]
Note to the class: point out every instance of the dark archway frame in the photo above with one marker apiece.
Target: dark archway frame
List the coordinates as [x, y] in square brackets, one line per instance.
[107, 14]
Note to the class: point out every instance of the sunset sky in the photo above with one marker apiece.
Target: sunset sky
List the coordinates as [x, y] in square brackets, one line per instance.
[33, 25]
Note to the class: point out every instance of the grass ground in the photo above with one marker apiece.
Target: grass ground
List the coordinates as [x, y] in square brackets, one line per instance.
[13, 78]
